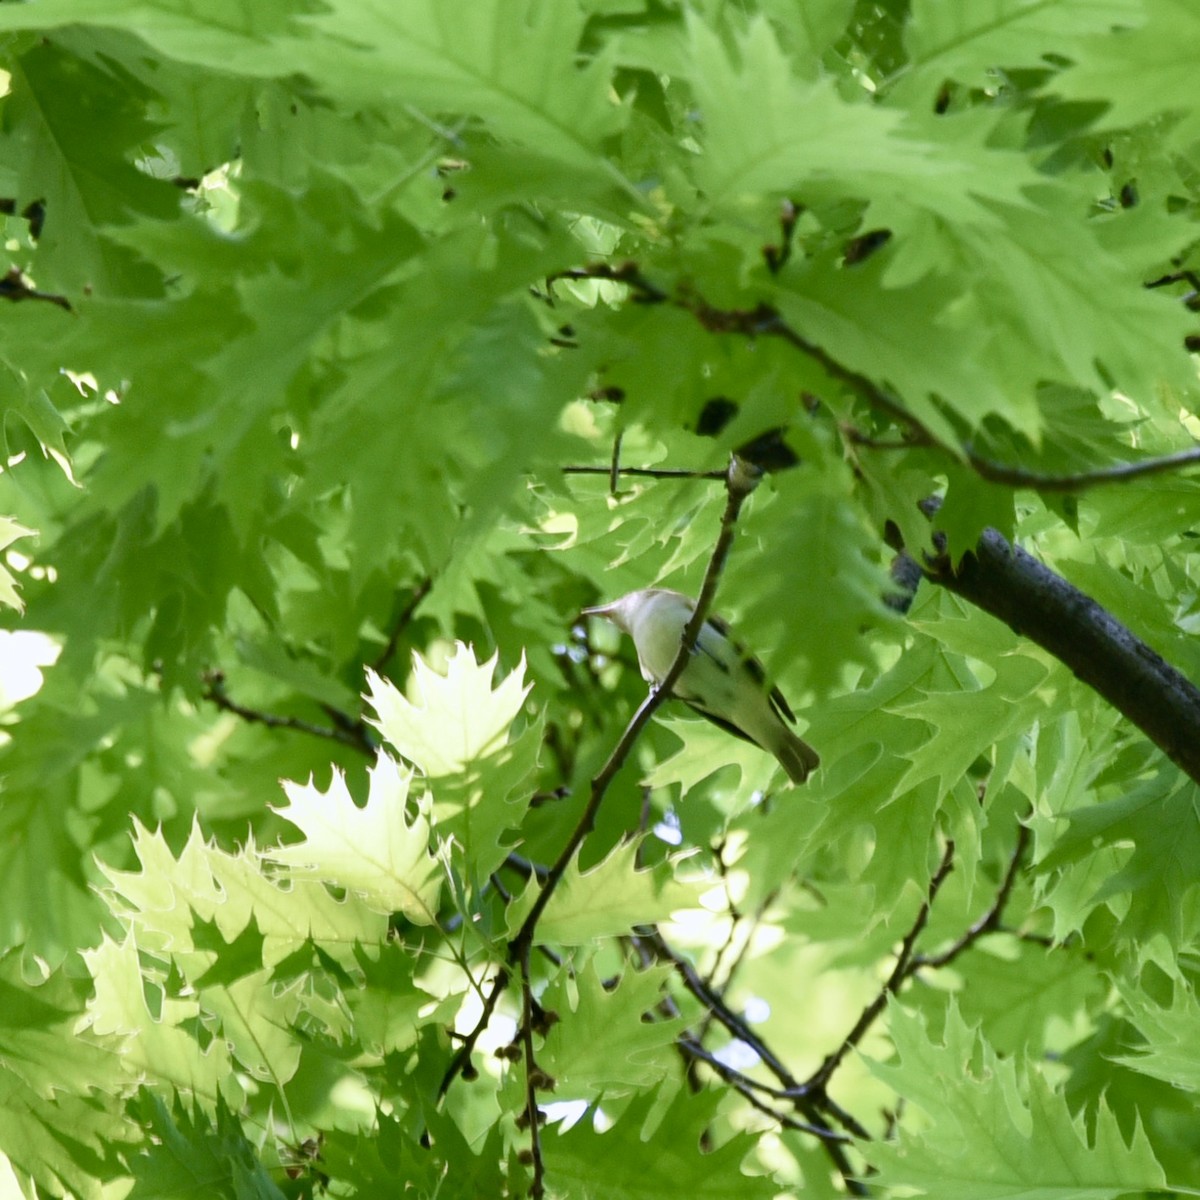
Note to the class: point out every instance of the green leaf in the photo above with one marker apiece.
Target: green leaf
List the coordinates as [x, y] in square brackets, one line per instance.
[605, 1042]
[455, 717]
[1171, 1051]
[704, 751]
[192, 1153]
[1019, 992]
[513, 62]
[812, 564]
[51, 1128]
[967, 722]
[605, 901]
[243, 39]
[80, 165]
[965, 42]
[10, 531]
[373, 852]
[1112, 67]
[477, 807]
[765, 131]
[45, 422]
[171, 895]
[654, 1150]
[259, 1021]
[158, 1046]
[991, 1137]
[390, 1006]
[1154, 830]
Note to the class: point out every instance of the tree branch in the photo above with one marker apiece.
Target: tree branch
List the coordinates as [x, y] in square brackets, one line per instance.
[645, 472]
[989, 922]
[534, 1079]
[809, 1106]
[402, 622]
[348, 734]
[748, 1088]
[715, 1005]
[1004, 580]
[1019, 477]
[461, 1062]
[1036, 603]
[1038, 481]
[765, 321]
[817, 1082]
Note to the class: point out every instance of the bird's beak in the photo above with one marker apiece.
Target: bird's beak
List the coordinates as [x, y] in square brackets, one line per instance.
[602, 610]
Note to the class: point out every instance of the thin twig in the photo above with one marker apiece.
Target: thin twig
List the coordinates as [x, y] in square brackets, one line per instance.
[402, 622]
[462, 1056]
[715, 1004]
[645, 472]
[214, 692]
[766, 321]
[996, 472]
[748, 1088]
[1038, 481]
[749, 926]
[651, 945]
[533, 1114]
[818, 1081]
[989, 922]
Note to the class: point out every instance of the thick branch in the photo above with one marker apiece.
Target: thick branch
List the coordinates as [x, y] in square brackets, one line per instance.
[1038, 604]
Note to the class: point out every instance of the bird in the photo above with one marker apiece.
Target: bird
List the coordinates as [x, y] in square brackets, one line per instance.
[721, 681]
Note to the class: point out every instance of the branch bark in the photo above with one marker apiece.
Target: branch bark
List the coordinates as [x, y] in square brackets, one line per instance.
[1036, 603]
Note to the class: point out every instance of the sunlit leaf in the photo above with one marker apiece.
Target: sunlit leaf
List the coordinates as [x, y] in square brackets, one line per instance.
[375, 852]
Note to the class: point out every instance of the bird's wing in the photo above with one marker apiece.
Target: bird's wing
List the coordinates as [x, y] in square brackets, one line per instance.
[722, 722]
[757, 672]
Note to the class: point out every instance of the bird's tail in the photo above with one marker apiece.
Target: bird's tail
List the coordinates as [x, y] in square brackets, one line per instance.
[796, 756]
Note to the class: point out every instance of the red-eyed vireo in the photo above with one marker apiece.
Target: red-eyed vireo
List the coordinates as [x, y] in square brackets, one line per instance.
[721, 681]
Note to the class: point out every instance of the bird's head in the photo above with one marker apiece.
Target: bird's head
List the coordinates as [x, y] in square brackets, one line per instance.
[619, 612]
[634, 608]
